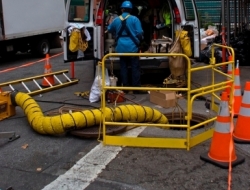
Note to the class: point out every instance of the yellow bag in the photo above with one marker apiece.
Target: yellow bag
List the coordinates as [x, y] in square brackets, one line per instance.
[76, 43]
[83, 44]
[177, 64]
[185, 42]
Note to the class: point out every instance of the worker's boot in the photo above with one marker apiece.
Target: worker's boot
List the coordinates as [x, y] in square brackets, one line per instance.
[179, 81]
[169, 80]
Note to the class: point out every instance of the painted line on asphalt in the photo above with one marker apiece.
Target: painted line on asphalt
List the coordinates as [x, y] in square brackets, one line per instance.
[87, 168]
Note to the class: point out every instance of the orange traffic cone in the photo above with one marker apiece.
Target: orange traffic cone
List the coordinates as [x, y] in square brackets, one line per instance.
[237, 91]
[229, 72]
[48, 80]
[242, 131]
[219, 153]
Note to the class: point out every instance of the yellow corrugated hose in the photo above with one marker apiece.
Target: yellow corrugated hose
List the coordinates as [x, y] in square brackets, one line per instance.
[59, 124]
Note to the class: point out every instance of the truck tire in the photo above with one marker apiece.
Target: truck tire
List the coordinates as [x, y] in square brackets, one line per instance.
[42, 48]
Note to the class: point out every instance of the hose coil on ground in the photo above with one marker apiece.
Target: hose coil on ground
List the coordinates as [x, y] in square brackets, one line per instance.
[59, 124]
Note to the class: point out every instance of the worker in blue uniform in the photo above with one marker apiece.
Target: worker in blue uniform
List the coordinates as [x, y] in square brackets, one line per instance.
[128, 32]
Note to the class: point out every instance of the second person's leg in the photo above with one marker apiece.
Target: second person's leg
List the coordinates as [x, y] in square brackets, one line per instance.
[136, 71]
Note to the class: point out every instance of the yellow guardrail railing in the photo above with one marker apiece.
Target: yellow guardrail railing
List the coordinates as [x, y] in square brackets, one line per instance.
[167, 142]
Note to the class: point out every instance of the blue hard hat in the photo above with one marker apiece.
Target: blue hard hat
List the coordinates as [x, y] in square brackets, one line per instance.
[127, 5]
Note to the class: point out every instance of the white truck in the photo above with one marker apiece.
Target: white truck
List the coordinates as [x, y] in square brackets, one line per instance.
[93, 14]
[30, 26]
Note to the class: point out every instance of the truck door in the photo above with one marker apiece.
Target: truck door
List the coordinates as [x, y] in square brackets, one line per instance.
[80, 15]
[1, 21]
[190, 22]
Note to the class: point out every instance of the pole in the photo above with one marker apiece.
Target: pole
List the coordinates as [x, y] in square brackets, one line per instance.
[240, 12]
[72, 64]
[223, 32]
[235, 19]
[228, 22]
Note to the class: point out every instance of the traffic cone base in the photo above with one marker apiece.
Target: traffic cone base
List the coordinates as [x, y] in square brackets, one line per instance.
[222, 149]
[241, 141]
[46, 84]
[225, 165]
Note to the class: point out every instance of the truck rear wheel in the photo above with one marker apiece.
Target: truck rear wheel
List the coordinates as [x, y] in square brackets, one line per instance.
[42, 47]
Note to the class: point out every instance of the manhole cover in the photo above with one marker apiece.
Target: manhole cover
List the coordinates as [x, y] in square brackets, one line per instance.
[93, 132]
[88, 132]
[179, 118]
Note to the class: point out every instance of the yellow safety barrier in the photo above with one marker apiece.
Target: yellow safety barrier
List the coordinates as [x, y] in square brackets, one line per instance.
[166, 142]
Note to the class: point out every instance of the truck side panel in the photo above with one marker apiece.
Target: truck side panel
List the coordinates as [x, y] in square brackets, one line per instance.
[32, 17]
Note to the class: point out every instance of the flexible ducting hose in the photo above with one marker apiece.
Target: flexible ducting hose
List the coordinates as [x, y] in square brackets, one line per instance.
[53, 125]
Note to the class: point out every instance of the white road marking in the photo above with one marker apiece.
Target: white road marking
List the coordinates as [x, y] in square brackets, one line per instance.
[87, 168]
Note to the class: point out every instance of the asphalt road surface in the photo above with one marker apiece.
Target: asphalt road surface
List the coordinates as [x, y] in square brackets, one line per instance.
[35, 161]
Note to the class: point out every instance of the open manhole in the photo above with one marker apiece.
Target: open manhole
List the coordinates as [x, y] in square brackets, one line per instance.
[179, 118]
[93, 132]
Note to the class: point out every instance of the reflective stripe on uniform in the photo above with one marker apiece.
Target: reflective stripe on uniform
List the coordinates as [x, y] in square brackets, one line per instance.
[167, 18]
